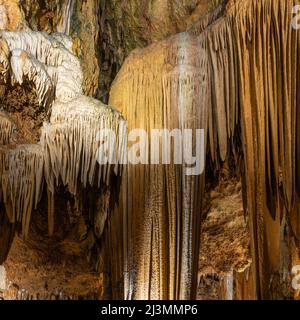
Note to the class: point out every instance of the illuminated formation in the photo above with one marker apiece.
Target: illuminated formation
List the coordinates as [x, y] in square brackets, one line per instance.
[66, 152]
[234, 73]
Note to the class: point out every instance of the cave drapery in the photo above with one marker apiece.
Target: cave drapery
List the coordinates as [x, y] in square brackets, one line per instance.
[234, 72]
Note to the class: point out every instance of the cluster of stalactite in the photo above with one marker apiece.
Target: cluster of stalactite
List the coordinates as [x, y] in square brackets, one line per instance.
[106, 31]
[68, 148]
[235, 73]
[14, 292]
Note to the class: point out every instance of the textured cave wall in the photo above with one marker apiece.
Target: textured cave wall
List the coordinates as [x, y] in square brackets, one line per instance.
[221, 74]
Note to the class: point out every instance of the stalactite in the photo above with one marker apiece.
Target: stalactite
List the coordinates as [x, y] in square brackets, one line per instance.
[68, 149]
[71, 147]
[235, 70]
[220, 75]
[268, 97]
[167, 214]
[49, 57]
[21, 182]
[65, 16]
[7, 129]
[24, 66]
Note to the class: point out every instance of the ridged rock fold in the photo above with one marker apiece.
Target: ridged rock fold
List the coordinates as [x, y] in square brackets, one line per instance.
[235, 74]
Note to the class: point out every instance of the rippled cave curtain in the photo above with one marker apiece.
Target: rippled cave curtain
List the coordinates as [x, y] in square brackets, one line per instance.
[234, 68]
[268, 51]
[162, 204]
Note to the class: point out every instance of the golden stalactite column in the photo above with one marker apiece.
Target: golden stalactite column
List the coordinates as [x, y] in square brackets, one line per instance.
[162, 87]
[268, 71]
[170, 84]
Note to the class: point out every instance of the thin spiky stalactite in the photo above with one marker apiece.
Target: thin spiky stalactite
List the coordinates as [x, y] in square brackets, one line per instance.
[68, 150]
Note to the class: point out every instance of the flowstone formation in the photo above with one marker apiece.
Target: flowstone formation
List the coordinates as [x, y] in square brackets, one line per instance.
[234, 73]
[49, 138]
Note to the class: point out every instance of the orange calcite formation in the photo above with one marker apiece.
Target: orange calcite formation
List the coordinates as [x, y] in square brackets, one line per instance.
[221, 75]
